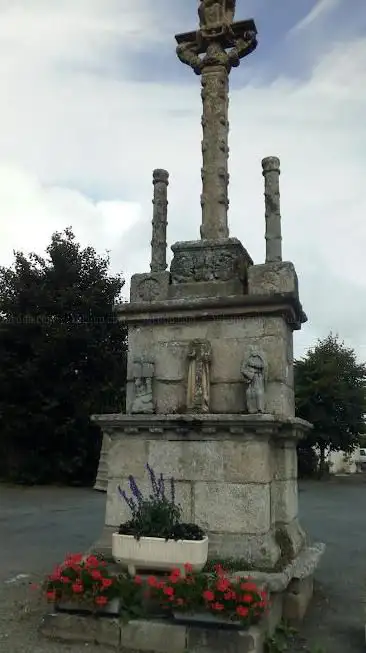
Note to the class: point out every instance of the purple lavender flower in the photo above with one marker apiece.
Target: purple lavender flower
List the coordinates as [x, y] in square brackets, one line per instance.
[154, 484]
[172, 490]
[161, 487]
[129, 500]
[135, 489]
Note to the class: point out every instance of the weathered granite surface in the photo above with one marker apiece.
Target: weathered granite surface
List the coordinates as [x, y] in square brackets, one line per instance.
[150, 636]
[234, 475]
[231, 339]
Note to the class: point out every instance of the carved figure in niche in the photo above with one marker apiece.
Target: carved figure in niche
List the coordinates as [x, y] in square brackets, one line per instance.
[253, 370]
[198, 382]
[216, 16]
[143, 401]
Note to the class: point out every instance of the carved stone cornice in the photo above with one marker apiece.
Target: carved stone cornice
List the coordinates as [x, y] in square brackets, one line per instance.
[203, 426]
[286, 305]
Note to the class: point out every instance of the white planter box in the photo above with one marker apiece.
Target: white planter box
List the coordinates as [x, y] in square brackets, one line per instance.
[154, 553]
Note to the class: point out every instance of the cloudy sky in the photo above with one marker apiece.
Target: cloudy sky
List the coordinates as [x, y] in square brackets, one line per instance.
[92, 98]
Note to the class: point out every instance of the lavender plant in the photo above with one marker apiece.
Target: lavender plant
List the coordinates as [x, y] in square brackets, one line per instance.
[157, 515]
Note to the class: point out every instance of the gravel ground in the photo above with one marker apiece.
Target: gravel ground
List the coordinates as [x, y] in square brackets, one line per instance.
[38, 526]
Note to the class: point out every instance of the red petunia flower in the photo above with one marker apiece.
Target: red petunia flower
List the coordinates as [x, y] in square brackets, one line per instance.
[101, 600]
[219, 570]
[96, 574]
[242, 611]
[51, 595]
[168, 591]
[107, 582]
[77, 588]
[218, 606]
[208, 595]
[223, 585]
[151, 581]
[74, 558]
[138, 580]
[175, 572]
[230, 596]
[247, 598]
[249, 587]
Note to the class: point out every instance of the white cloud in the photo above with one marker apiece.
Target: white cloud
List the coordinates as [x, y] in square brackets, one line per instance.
[68, 135]
[31, 213]
[320, 9]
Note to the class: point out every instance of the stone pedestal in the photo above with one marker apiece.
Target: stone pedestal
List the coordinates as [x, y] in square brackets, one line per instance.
[101, 481]
[235, 477]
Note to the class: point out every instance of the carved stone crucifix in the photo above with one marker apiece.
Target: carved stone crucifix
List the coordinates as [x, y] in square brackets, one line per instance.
[211, 52]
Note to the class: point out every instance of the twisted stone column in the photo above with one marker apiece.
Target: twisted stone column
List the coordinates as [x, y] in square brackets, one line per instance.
[271, 174]
[159, 221]
[215, 151]
[212, 51]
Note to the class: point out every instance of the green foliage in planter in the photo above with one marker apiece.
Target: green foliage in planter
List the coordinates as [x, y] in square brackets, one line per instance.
[157, 515]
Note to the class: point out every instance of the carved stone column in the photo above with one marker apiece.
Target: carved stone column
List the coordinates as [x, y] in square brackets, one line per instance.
[215, 149]
[159, 221]
[271, 174]
[212, 51]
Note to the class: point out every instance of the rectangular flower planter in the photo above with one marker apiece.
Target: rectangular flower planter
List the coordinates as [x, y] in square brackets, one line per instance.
[206, 620]
[156, 554]
[111, 609]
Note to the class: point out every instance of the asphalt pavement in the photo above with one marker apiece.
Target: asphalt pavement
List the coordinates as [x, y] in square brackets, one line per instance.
[38, 526]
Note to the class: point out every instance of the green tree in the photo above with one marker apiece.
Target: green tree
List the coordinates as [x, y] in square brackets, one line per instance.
[330, 393]
[62, 358]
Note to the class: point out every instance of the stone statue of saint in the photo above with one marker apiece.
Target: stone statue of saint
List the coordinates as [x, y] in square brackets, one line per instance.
[198, 382]
[143, 401]
[253, 371]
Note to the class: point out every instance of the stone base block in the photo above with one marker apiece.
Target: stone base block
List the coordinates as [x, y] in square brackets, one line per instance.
[151, 636]
[237, 504]
[272, 278]
[149, 287]
[86, 630]
[296, 600]
[206, 268]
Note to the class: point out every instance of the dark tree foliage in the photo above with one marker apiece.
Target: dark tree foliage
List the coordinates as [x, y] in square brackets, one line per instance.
[62, 358]
[330, 390]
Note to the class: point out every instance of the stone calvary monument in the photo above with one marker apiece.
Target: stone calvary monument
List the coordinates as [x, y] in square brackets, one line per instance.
[210, 390]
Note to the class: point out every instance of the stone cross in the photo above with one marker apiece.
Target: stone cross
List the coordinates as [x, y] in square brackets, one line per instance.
[271, 174]
[159, 221]
[212, 52]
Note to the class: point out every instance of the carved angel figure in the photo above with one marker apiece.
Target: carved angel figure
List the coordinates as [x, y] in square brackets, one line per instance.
[216, 16]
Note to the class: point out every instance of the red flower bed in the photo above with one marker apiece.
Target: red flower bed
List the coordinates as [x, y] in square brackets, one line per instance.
[82, 578]
[237, 599]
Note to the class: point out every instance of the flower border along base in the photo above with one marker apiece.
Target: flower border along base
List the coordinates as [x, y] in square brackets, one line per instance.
[84, 608]
[206, 620]
[154, 553]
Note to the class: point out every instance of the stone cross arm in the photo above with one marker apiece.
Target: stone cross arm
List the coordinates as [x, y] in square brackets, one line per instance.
[240, 41]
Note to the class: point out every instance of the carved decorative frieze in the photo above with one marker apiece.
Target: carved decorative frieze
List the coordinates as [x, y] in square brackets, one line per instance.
[199, 261]
[149, 287]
